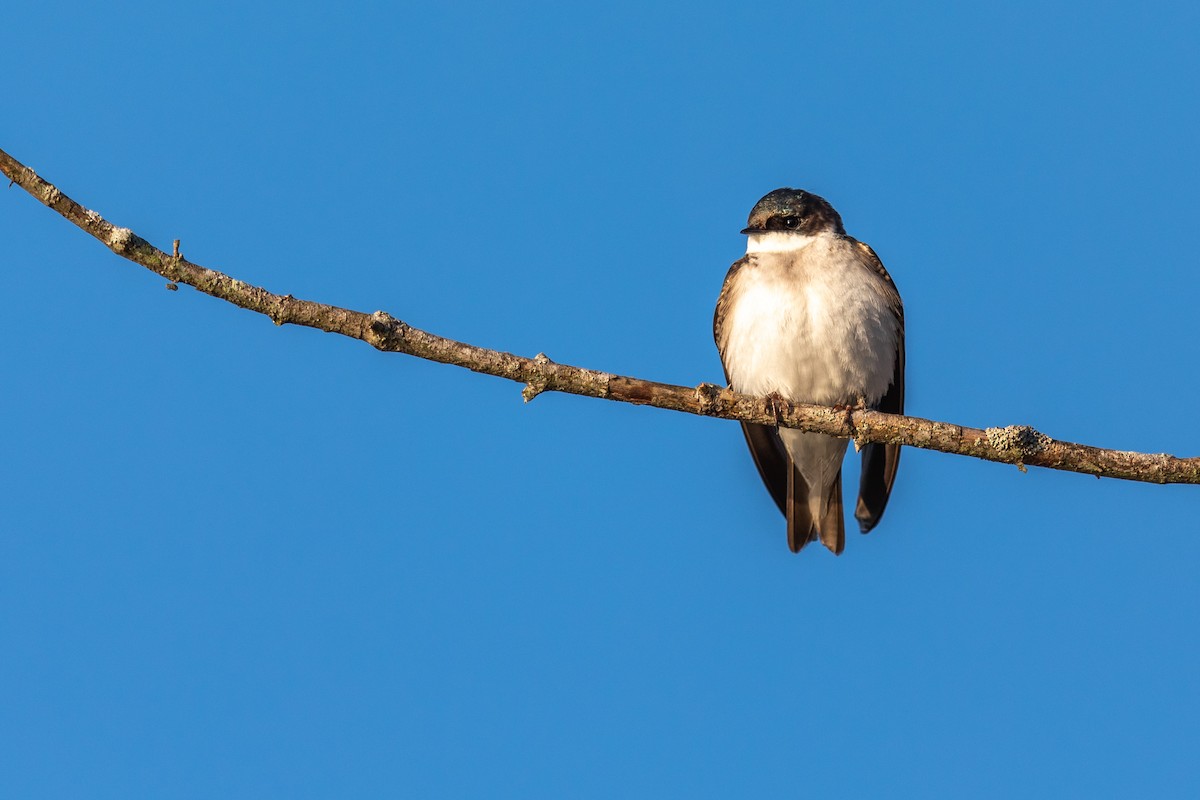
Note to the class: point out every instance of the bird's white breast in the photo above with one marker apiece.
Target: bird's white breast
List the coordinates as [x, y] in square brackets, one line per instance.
[811, 323]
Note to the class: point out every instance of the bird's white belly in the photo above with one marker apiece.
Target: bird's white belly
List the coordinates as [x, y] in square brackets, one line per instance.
[812, 337]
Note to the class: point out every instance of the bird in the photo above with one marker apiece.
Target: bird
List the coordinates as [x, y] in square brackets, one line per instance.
[810, 315]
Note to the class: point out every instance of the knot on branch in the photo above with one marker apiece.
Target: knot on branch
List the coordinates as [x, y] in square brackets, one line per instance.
[713, 399]
[1017, 443]
[384, 331]
[538, 383]
[279, 312]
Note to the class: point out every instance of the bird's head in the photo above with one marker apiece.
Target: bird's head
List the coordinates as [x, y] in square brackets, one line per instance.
[793, 211]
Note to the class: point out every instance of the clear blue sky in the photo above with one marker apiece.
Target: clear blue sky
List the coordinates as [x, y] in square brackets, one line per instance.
[241, 561]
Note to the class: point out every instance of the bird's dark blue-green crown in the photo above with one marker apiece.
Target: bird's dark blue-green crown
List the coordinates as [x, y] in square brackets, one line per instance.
[794, 210]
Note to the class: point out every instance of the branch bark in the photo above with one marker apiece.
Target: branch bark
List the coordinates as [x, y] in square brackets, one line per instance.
[1018, 444]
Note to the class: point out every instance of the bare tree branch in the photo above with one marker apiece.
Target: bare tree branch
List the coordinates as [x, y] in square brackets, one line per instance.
[1018, 444]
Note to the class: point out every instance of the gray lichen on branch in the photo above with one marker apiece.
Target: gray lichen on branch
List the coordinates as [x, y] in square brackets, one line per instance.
[1018, 444]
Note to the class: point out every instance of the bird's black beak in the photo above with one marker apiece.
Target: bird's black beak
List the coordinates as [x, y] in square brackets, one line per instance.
[750, 230]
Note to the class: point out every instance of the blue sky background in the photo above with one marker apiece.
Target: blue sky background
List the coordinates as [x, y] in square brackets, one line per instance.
[244, 561]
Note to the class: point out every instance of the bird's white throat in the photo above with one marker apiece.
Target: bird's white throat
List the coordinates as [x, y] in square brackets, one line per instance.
[778, 242]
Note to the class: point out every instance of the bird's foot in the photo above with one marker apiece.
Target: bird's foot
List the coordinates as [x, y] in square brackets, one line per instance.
[859, 403]
[777, 406]
[848, 409]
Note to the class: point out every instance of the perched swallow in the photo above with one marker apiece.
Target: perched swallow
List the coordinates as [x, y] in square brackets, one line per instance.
[810, 314]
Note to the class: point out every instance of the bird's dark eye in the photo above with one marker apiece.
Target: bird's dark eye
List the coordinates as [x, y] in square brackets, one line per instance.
[791, 223]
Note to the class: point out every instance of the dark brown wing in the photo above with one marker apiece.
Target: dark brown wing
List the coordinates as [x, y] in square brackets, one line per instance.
[771, 459]
[723, 303]
[880, 461]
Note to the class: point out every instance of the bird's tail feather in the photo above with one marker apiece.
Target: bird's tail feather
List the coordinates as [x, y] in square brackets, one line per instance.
[833, 521]
[804, 509]
[800, 528]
